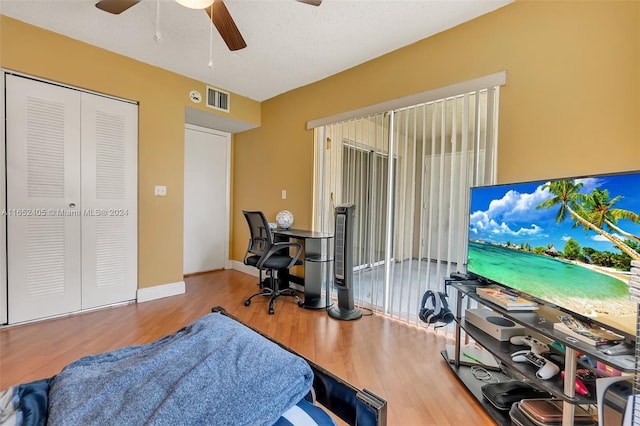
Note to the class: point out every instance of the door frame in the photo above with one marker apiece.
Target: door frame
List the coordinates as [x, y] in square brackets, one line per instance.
[227, 197]
[4, 285]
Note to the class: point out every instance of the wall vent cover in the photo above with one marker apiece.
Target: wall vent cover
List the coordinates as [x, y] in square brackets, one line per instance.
[217, 99]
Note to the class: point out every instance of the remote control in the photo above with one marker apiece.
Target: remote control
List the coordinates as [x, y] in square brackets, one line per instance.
[619, 349]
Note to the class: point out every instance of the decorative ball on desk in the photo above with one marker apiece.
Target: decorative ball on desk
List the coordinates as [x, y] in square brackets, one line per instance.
[284, 219]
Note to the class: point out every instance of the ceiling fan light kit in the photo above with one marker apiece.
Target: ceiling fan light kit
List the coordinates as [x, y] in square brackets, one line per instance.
[195, 4]
[216, 9]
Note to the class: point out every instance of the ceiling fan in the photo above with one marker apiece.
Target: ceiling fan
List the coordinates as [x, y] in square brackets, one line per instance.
[218, 13]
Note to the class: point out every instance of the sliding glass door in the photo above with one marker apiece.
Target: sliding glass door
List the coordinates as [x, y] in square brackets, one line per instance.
[412, 211]
[365, 185]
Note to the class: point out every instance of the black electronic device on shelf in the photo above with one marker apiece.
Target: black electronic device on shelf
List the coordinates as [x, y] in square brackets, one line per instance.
[343, 263]
[460, 276]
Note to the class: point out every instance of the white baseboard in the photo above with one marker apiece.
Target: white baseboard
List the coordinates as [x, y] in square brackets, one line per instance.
[159, 291]
[241, 267]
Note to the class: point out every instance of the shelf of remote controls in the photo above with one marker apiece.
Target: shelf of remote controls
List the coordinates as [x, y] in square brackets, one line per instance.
[538, 322]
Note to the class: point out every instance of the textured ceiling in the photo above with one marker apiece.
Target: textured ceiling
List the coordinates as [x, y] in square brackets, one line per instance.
[290, 44]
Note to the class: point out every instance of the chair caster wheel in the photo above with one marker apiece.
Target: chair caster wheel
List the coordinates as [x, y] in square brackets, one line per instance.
[247, 302]
[272, 311]
[301, 304]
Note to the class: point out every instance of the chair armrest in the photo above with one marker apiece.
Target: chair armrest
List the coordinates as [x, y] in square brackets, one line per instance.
[276, 247]
[246, 253]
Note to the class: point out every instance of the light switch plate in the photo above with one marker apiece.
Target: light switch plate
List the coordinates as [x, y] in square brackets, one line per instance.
[160, 191]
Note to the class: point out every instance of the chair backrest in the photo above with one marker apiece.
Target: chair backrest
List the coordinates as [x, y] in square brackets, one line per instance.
[261, 238]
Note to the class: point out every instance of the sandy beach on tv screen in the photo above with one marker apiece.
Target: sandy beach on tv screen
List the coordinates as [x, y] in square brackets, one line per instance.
[621, 314]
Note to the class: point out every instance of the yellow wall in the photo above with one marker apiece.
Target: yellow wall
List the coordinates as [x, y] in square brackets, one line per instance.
[162, 97]
[571, 105]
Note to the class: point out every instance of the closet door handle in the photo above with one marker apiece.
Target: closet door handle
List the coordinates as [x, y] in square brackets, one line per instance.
[72, 205]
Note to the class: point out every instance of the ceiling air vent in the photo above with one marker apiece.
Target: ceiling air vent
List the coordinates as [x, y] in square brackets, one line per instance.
[217, 99]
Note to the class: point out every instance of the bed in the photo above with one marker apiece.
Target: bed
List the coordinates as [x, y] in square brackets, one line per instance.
[213, 371]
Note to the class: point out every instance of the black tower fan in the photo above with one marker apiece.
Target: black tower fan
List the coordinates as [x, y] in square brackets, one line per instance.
[343, 261]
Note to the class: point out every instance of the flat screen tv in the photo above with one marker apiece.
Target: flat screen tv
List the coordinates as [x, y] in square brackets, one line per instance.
[567, 242]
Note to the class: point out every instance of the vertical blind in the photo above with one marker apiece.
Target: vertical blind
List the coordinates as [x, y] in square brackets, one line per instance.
[408, 171]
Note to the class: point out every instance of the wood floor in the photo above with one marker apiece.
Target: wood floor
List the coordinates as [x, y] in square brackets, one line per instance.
[399, 362]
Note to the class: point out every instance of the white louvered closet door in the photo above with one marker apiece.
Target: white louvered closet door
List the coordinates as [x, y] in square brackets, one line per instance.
[71, 200]
[43, 148]
[109, 201]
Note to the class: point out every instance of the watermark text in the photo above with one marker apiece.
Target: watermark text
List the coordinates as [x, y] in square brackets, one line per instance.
[27, 212]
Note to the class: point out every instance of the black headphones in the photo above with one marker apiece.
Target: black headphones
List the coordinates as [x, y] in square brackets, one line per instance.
[439, 310]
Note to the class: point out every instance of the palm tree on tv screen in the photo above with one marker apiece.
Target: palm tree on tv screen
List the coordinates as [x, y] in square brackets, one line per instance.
[566, 193]
[601, 212]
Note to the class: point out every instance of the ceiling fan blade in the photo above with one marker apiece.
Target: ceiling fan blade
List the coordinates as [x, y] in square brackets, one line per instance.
[116, 6]
[311, 2]
[227, 28]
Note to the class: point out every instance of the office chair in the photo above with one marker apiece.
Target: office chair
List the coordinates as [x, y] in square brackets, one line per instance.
[268, 256]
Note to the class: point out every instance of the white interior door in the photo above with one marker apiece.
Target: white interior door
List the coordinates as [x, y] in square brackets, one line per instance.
[206, 199]
[109, 200]
[43, 199]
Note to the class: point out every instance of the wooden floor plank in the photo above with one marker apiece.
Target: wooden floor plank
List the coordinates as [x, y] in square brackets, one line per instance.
[399, 362]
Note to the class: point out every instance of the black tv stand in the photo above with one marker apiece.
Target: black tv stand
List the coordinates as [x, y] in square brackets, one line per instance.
[539, 322]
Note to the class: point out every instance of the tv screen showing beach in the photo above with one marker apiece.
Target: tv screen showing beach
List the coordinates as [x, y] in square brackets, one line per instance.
[568, 242]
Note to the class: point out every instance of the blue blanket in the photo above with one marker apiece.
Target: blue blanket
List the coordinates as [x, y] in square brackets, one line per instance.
[25, 404]
[214, 371]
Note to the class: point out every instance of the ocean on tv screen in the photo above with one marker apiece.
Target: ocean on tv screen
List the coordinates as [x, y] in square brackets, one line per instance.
[569, 242]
